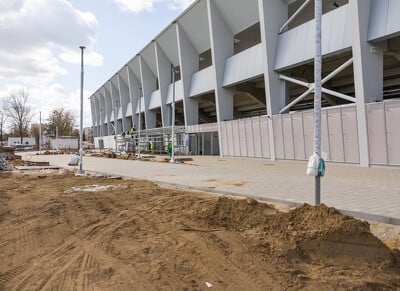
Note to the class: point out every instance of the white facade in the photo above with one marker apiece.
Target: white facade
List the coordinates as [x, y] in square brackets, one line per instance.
[28, 141]
[63, 143]
[242, 66]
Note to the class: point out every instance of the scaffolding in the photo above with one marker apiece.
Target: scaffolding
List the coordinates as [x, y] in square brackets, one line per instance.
[160, 138]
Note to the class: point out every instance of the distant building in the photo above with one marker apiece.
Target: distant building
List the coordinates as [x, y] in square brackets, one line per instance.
[88, 134]
[63, 143]
[28, 141]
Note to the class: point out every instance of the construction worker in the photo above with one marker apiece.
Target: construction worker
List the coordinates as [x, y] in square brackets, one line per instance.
[169, 148]
[132, 132]
[151, 146]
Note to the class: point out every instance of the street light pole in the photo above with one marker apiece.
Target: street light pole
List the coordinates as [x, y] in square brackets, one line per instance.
[81, 123]
[317, 94]
[173, 116]
[40, 132]
[140, 123]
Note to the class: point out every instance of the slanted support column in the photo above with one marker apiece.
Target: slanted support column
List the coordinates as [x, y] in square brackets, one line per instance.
[164, 79]
[125, 99]
[133, 86]
[109, 110]
[103, 113]
[149, 85]
[93, 110]
[115, 96]
[221, 48]
[273, 14]
[368, 71]
[189, 61]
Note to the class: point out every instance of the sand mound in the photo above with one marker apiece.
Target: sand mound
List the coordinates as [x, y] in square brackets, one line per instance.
[236, 213]
[307, 233]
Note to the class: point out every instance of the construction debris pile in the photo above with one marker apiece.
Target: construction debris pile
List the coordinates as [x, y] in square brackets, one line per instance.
[7, 153]
[4, 165]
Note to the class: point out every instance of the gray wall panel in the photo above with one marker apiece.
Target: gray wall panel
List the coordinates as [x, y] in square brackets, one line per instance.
[393, 131]
[250, 138]
[335, 135]
[264, 136]
[278, 137]
[325, 146]
[224, 137]
[236, 137]
[299, 150]
[257, 137]
[230, 140]
[350, 134]
[376, 133]
[288, 136]
[242, 138]
[308, 120]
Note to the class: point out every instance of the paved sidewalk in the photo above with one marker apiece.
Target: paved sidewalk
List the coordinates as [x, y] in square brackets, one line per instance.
[370, 193]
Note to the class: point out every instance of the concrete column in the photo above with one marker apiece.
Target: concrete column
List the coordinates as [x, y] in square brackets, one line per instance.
[98, 114]
[103, 113]
[221, 39]
[368, 71]
[164, 79]
[133, 85]
[189, 62]
[115, 96]
[93, 110]
[109, 110]
[273, 14]
[125, 99]
[148, 86]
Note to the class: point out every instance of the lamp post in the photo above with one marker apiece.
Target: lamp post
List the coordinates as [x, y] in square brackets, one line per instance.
[40, 132]
[317, 94]
[140, 124]
[81, 172]
[173, 116]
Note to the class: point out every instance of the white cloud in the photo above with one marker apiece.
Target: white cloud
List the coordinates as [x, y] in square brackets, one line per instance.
[32, 31]
[33, 67]
[179, 4]
[135, 5]
[74, 57]
[148, 5]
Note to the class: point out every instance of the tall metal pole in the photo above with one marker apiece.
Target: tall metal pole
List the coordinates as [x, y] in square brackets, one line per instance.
[317, 94]
[40, 132]
[173, 115]
[140, 123]
[81, 123]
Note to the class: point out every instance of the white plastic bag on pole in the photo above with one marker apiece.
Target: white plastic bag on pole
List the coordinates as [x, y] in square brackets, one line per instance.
[312, 168]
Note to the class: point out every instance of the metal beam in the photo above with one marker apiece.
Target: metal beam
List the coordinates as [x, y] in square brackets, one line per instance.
[311, 86]
[294, 16]
[339, 95]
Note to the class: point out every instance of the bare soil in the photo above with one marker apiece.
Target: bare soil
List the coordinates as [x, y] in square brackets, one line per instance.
[62, 232]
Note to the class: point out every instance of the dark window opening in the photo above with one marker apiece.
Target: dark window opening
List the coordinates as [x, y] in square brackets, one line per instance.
[247, 38]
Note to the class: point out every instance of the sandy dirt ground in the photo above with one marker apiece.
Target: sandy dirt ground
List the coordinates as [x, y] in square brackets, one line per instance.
[61, 232]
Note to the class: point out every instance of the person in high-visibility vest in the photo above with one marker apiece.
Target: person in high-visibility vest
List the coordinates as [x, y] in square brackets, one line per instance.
[169, 148]
[151, 146]
[132, 132]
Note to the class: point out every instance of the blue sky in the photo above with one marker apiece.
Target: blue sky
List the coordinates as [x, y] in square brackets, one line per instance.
[40, 41]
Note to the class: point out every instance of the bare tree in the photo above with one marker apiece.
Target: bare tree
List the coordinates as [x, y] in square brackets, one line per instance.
[18, 111]
[61, 121]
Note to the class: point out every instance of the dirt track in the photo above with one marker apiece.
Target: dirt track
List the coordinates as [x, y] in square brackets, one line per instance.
[137, 236]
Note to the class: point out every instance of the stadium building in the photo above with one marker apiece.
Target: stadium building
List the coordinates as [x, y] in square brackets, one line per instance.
[238, 78]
